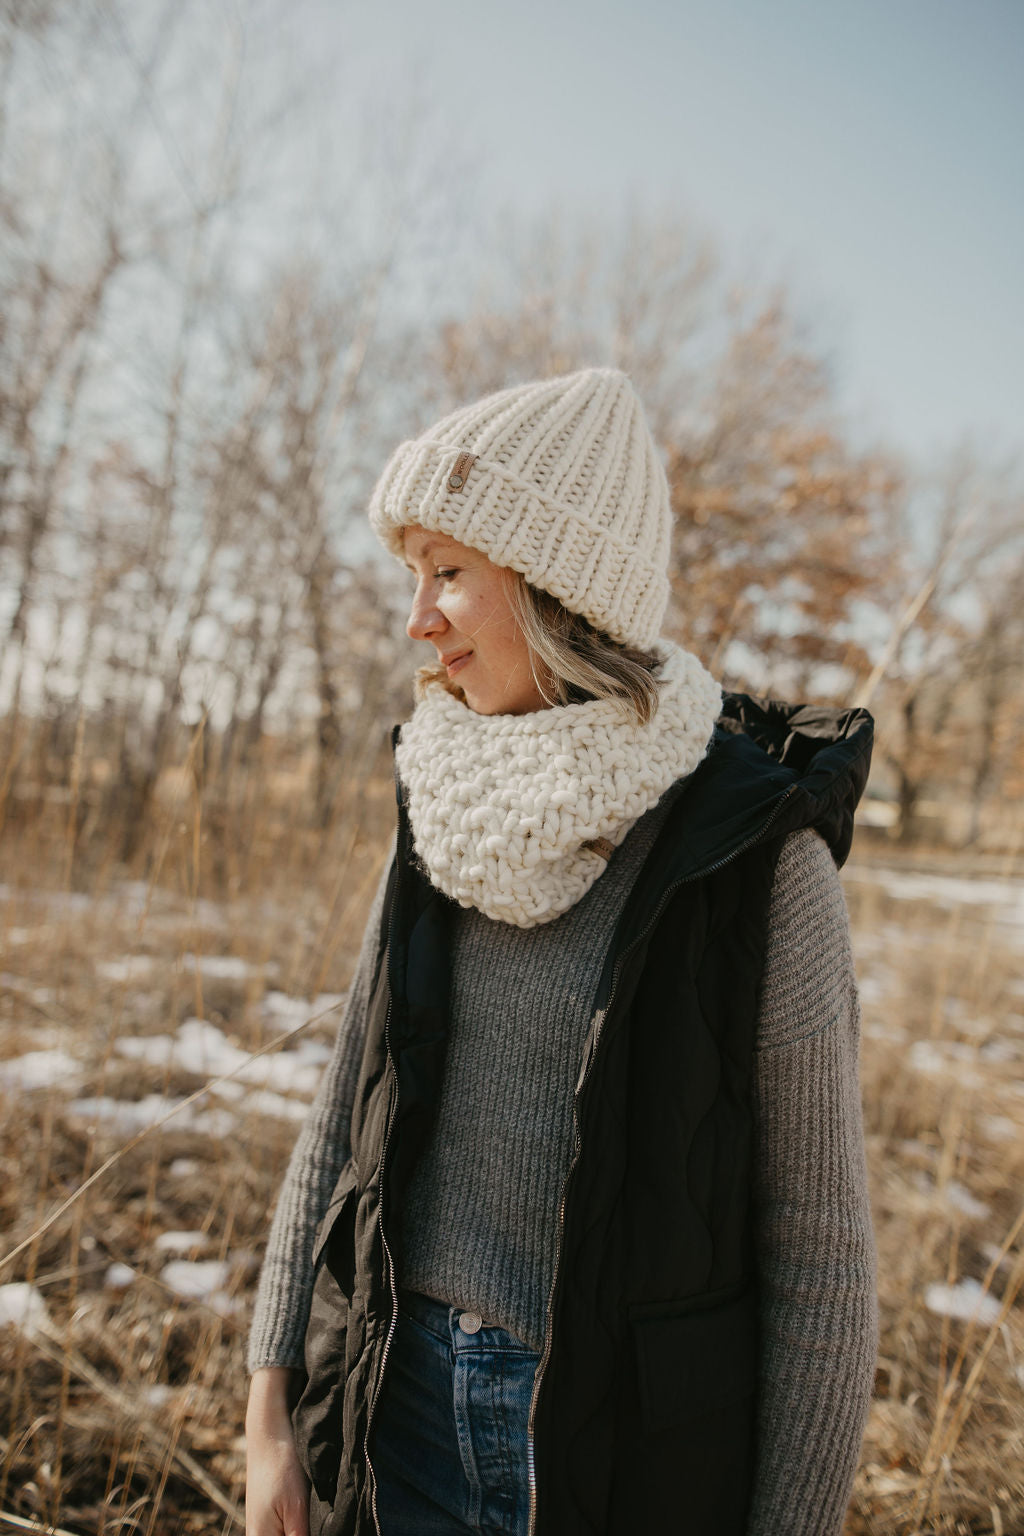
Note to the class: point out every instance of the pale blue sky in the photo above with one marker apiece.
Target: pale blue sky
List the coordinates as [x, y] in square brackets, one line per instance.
[869, 152]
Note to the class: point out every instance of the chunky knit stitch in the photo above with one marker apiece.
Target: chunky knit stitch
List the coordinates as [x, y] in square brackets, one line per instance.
[560, 480]
[503, 807]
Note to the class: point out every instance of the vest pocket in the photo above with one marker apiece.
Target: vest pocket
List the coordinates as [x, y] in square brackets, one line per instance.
[340, 1199]
[317, 1418]
[694, 1358]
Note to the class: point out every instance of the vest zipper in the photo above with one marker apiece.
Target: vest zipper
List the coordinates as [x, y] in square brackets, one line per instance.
[393, 1324]
[598, 1022]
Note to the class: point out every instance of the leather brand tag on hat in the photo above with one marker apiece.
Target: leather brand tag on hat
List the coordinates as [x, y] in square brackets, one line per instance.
[463, 464]
[601, 845]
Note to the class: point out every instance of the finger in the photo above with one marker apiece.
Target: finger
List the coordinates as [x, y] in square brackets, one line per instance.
[296, 1517]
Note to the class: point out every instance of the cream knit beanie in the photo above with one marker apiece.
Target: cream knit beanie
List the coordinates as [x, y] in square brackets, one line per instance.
[559, 479]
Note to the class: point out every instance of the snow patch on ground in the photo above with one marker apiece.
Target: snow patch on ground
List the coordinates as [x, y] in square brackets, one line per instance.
[966, 1300]
[128, 1116]
[265, 1102]
[224, 967]
[875, 986]
[938, 1058]
[961, 1199]
[156, 1394]
[203, 1049]
[201, 1280]
[40, 1069]
[1004, 897]
[119, 1277]
[199, 1048]
[196, 1278]
[1000, 1127]
[41, 996]
[22, 1307]
[184, 1167]
[289, 1012]
[130, 968]
[884, 1029]
[180, 1242]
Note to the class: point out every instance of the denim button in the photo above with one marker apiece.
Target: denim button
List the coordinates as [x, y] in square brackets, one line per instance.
[471, 1322]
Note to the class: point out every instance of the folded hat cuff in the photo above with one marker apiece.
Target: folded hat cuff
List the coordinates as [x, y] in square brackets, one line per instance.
[555, 546]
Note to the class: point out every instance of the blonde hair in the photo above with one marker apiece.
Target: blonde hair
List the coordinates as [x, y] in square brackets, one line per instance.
[571, 660]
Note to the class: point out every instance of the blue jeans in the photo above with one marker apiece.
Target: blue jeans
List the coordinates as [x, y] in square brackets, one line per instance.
[449, 1438]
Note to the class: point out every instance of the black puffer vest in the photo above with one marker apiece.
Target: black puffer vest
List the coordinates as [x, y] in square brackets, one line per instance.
[644, 1409]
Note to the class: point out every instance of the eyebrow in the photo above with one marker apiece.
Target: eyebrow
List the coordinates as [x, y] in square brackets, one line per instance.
[427, 548]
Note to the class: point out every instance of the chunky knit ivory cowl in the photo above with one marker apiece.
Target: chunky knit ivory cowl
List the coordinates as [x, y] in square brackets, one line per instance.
[503, 807]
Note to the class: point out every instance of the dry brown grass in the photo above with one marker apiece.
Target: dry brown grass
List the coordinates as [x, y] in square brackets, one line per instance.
[943, 1019]
[126, 1414]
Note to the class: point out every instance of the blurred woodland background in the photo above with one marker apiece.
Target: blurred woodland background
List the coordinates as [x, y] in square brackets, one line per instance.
[209, 345]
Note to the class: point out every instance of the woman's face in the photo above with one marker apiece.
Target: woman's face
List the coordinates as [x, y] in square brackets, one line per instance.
[461, 606]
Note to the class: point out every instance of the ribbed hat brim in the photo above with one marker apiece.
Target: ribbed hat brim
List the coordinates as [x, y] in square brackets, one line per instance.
[619, 583]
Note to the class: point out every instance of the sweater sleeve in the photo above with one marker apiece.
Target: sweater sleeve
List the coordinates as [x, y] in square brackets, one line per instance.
[815, 1246]
[278, 1328]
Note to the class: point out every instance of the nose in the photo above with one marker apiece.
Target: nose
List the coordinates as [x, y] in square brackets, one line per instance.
[425, 618]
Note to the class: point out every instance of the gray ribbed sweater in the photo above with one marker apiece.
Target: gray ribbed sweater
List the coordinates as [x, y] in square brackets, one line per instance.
[480, 1221]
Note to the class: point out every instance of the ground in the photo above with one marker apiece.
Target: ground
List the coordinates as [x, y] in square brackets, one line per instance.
[124, 1303]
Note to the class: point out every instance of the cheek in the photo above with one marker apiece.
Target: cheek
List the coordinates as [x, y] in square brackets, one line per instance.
[483, 616]
[458, 610]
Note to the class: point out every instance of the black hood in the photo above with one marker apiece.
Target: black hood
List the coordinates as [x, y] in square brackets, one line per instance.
[827, 750]
[771, 769]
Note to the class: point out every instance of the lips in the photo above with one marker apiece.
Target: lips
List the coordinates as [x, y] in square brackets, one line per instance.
[455, 662]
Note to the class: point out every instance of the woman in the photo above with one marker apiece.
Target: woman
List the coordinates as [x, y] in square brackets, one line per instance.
[593, 1249]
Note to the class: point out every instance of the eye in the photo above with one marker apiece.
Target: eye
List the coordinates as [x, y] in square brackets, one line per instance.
[446, 574]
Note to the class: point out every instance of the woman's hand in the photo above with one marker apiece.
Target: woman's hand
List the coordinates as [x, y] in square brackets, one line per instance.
[276, 1487]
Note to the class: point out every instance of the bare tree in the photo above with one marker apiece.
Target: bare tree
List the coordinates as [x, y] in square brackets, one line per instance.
[955, 549]
[775, 516]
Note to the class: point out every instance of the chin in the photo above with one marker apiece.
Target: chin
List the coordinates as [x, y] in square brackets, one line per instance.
[506, 707]
[483, 704]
